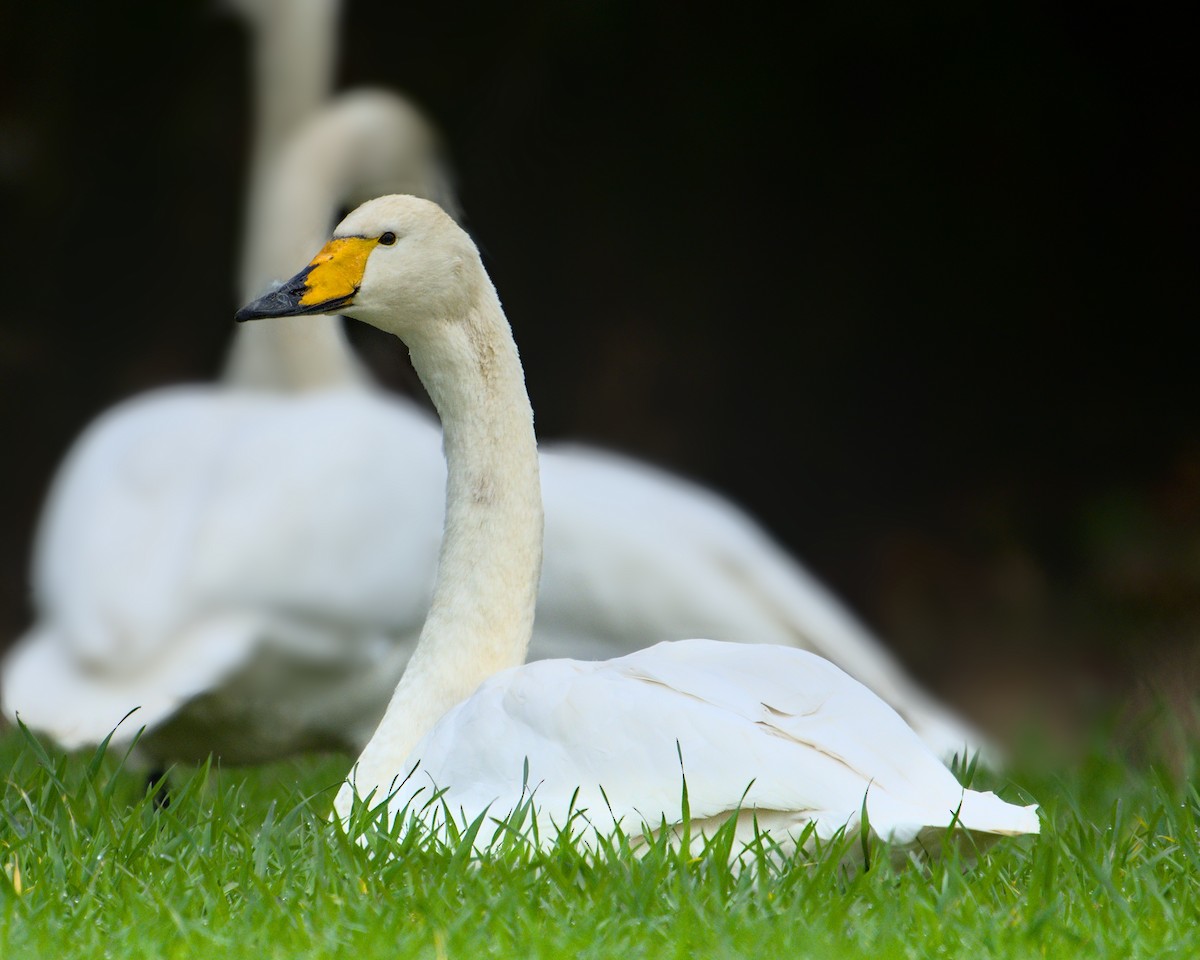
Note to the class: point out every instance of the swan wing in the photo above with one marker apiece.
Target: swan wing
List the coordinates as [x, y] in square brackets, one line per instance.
[751, 727]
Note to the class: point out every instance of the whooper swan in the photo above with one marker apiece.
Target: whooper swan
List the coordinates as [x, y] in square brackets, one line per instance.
[774, 733]
[161, 566]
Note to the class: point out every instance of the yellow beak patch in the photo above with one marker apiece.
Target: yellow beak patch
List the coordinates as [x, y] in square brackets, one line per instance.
[336, 273]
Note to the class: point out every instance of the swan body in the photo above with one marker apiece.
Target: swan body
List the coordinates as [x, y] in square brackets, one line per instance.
[773, 732]
[758, 728]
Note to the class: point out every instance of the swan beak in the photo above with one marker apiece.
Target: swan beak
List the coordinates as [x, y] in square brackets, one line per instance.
[326, 285]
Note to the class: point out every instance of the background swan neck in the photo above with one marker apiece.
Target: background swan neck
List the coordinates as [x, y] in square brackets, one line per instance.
[481, 617]
[295, 48]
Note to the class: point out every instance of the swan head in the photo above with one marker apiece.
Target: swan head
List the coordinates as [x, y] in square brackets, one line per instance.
[398, 262]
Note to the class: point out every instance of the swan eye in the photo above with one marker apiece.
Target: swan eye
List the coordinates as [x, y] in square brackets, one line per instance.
[388, 239]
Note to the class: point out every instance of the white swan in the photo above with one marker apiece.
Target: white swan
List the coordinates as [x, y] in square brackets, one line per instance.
[148, 591]
[775, 733]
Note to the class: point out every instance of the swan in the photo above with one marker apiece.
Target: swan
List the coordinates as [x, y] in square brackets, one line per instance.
[146, 591]
[775, 735]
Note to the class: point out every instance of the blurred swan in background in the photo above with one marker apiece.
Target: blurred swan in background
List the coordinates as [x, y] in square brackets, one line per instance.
[161, 564]
[250, 562]
[779, 736]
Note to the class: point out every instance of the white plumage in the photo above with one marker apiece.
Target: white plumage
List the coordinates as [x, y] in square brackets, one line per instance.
[779, 733]
[776, 733]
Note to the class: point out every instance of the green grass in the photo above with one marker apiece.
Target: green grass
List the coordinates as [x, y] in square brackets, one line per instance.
[243, 863]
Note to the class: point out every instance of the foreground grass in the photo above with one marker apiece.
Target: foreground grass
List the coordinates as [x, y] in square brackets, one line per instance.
[243, 863]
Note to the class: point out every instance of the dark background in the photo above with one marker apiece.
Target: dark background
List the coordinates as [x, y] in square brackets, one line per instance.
[906, 281]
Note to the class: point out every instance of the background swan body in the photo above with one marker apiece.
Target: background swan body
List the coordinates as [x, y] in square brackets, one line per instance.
[304, 616]
[760, 727]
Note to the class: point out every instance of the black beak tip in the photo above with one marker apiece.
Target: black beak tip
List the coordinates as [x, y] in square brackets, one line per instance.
[284, 301]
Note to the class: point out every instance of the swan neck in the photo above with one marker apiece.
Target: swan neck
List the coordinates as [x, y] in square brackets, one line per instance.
[481, 617]
[294, 56]
[295, 53]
